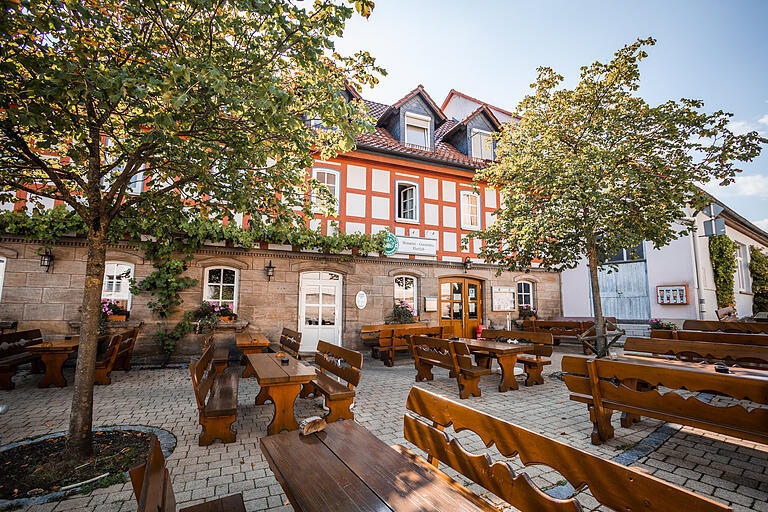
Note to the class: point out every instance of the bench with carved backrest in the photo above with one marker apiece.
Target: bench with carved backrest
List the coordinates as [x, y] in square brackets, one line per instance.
[369, 334]
[336, 380]
[216, 395]
[396, 339]
[153, 488]
[630, 385]
[125, 351]
[727, 314]
[747, 356]
[105, 362]
[738, 338]
[713, 325]
[13, 354]
[451, 355]
[532, 363]
[220, 354]
[613, 485]
[290, 342]
[564, 329]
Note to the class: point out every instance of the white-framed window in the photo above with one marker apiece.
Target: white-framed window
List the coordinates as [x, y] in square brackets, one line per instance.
[407, 201]
[136, 185]
[524, 293]
[482, 144]
[417, 129]
[470, 210]
[406, 288]
[331, 179]
[117, 281]
[742, 268]
[2, 274]
[221, 286]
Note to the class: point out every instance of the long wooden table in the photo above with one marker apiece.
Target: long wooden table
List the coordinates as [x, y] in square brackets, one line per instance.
[346, 468]
[505, 353]
[53, 354]
[247, 343]
[281, 384]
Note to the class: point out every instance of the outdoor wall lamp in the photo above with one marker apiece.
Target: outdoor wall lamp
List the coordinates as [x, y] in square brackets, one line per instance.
[467, 264]
[270, 270]
[46, 260]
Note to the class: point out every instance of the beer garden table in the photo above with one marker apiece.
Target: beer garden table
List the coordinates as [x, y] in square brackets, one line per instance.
[505, 353]
[247, 343]
[53, 354]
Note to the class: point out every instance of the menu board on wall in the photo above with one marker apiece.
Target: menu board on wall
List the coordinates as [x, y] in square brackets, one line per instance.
[675, 294]
[503, 298]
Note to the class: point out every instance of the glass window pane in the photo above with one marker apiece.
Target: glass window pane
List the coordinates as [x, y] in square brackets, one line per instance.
[416, 135]
[214, 292]
[312, 315]
[329, 295]
[472, 310]
[227, 293]
[445, 310]
[312, 295]
[214, 275]
[445, 291]
[229, 276]
[329, 315]
[457, 310]
[472, 291]
[457, 287]
[312, 275]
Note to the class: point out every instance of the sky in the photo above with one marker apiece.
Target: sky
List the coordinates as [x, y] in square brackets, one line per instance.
[716, 51]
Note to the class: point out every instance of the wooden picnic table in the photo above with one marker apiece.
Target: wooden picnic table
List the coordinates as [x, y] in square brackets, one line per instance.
[352, 470]
[505, 353]
[281, 384]
[699, 367]
[53, 354]
[248, 343]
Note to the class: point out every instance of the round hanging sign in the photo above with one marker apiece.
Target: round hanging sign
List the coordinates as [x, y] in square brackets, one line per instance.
[391, 245]
[361, 299]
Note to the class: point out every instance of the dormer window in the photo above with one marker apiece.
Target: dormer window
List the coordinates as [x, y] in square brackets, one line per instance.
[482, 144]
[417, 130]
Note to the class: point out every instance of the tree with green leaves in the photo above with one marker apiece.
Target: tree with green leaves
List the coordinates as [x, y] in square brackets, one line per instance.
[593, 169]
[126, 110]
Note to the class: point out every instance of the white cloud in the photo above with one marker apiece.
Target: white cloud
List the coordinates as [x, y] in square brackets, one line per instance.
[762, 224]
[742, 127]
[751, 185]
[763, 120]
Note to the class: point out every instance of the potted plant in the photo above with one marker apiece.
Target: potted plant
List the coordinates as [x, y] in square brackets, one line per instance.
[527, 312]
[402, 313]
[224, 313]
[662, 325]
[112, 311]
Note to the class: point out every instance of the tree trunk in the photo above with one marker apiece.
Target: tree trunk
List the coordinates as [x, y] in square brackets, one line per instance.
[81, 415]
[600, 340]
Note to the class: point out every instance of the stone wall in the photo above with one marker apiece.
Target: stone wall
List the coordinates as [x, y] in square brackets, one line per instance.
[50, 301]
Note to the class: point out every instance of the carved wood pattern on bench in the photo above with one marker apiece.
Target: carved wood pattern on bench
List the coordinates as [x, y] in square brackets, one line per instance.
[713, 325]
[747, 356]
[216, 396]
[290, 342]
[612, 485]
[452, 355]
[340, 362]
[631, 385]
[713, 336]
[125, 352]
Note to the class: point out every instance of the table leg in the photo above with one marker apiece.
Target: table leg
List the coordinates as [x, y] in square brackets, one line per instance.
[508, 381]
[263, 396]
[248, 371]
[283, 396]
[53, 370]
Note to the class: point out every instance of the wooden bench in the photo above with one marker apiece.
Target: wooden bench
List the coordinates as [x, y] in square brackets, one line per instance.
[630, 385]
[713, 325]
[105, 363]
[125, 351]
[727, 314]
[563, 329]
[369, 334]
[746, 356]
[339, 374]
[738, 338]
[220, 354]
[396, 340]
[452, 355]
[13, 354]
[216, 395]
[290, 342]
[613, 485]
[533, 364]
[153, 488]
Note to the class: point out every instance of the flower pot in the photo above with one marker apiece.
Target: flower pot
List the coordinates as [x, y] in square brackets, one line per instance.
[117, 318]
[227, 318]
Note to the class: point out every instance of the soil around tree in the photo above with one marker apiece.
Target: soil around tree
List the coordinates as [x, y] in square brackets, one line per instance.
[44, 467]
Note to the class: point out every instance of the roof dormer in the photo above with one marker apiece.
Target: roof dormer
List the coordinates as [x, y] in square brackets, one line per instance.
[473, 136]
[414, 119]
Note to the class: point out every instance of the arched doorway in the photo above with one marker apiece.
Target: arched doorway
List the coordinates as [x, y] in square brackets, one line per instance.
[319, 309]
[461, 305]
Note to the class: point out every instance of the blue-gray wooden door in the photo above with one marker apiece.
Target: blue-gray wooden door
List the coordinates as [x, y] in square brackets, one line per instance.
[624, 291]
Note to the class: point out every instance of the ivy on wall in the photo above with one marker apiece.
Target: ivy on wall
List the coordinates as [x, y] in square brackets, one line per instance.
[170, 239]
[758, 268]
[722, 253]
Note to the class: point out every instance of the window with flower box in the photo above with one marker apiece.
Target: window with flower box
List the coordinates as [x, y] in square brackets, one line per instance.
[405, 290]
[117, 283]
[221, 286]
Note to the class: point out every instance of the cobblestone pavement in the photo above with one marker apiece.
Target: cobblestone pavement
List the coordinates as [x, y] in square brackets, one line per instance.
[730, 470]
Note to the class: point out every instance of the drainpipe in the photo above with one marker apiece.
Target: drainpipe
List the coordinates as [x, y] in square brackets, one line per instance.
[694, 239]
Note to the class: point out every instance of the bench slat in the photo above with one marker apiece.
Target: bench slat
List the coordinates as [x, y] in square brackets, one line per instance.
[745, 355]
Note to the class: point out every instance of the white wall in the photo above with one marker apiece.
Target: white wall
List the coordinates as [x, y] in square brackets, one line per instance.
[671, 265]
[574, 285]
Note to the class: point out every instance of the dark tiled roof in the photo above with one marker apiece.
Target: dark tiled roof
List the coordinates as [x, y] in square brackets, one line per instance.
[376, 109]
[427, 97]
[445, 128]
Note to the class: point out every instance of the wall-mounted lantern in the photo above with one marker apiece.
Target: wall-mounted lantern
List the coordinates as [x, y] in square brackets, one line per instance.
[467, 264]
[46, 260]
[270, 270]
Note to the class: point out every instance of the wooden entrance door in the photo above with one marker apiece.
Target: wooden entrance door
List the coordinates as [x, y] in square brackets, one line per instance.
[461, 305]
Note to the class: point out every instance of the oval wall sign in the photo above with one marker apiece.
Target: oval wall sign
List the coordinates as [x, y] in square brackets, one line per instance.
[361, 299]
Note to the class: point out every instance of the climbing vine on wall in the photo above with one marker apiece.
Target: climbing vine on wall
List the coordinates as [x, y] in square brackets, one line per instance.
[722, 253]
[758, 269]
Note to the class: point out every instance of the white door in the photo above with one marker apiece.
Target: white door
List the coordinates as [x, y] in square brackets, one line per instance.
[319, 309]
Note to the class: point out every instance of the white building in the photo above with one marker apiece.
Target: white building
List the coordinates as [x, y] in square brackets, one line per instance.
[667, 283]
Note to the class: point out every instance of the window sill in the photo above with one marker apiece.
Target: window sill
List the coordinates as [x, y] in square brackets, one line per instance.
[474, 228]
[407, 221]
[751, 294]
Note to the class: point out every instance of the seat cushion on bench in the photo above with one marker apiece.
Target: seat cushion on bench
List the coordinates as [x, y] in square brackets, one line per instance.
[18, 359]
[224, 399]
[331, 388]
